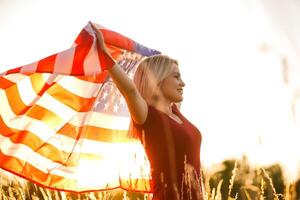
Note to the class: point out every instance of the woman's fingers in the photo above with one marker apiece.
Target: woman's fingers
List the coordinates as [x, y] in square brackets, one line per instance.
[93, 26]
[98, 35]
[96, 30]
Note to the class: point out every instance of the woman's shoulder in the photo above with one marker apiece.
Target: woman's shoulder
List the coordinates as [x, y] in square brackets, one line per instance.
[152, 113]
[149, 110]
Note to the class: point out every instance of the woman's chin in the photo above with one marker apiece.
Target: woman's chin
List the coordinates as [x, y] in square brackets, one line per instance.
[178, 100]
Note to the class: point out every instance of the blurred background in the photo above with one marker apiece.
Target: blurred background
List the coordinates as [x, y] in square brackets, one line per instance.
[240, 60]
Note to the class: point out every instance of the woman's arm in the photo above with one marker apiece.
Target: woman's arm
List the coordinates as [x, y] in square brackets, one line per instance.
[136, 104]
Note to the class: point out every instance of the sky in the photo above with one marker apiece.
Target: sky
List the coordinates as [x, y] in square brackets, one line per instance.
[231, 54]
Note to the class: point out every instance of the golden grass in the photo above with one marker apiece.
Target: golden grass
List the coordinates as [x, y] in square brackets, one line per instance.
[231, 180]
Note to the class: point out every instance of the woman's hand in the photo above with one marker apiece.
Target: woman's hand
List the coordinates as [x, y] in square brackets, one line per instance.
[104, 55]
[100, 39]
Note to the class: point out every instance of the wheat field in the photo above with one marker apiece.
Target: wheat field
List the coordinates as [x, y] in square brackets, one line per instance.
[231, 179]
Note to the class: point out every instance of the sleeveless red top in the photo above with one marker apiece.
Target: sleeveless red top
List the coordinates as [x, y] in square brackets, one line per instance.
[169, 145]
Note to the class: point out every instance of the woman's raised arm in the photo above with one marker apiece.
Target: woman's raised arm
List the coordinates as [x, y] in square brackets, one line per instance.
[136, 104]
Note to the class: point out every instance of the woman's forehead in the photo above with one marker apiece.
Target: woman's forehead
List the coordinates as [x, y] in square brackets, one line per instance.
[175, 69]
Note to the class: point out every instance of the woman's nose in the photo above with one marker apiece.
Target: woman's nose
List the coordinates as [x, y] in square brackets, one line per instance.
[182, 83]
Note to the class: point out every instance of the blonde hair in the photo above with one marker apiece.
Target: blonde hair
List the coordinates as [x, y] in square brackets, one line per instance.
[151, 72]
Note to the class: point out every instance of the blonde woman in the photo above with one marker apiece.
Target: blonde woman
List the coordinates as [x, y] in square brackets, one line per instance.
[171, 142]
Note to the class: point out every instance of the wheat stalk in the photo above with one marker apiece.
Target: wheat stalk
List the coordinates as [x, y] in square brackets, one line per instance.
[231, 181]
[271, 184]
[262, 189]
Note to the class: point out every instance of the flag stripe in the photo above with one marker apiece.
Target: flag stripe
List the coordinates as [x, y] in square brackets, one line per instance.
[33, 126]
[15, 70]
[95, 78]
[37, 145]
[103, 134]
[38, 82]
[68, 130]
[58, 142]
[15, 77]
[64, 61]
[26, 91]
[95, 119]
[46, 116]
[116, 39]
[81, 52]
[91, 63]
[19, 166]
[65, 184]
[49, 103]
[40, 147]
[47, 64]
[84, 89]
[25, 154]
[29, 69]
[84, 36]
[5, 83]
[15, 101]
[71, 100]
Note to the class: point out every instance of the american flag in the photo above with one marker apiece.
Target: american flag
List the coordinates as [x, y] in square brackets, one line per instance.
[64, 124]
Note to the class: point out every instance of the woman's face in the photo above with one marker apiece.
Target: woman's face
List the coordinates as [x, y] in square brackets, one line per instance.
[172, 86]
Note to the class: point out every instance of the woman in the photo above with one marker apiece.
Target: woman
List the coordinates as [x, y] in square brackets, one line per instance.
[171, 142]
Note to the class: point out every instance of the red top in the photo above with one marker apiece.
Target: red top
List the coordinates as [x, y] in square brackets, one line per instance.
[167, 143]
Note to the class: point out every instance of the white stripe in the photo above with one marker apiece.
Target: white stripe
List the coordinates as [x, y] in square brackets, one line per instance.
[30, 68]
[108, 149]
[56, 77]
[64, 61]
[15, 77]
[50, 78]
[47, 134]
[91, 63]
[79, 87]
[46, 76]
[100, 172]
[75, 118]
[60, 109]
[26, 154]
[100, 120]
[26, 91]
[34, 126]
[108, 121]
[90, 30]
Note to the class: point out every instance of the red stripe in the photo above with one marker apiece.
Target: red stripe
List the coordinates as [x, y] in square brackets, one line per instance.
[106, 61]
[26, 170]
[15, 101]
[47, 150]
[45, 88]
[33, 174]
[83, 37]
[117, 40]
[5, 83]
[46, 64]
[15, 70]
[90, 132]
[81, 52]
[50, 181]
